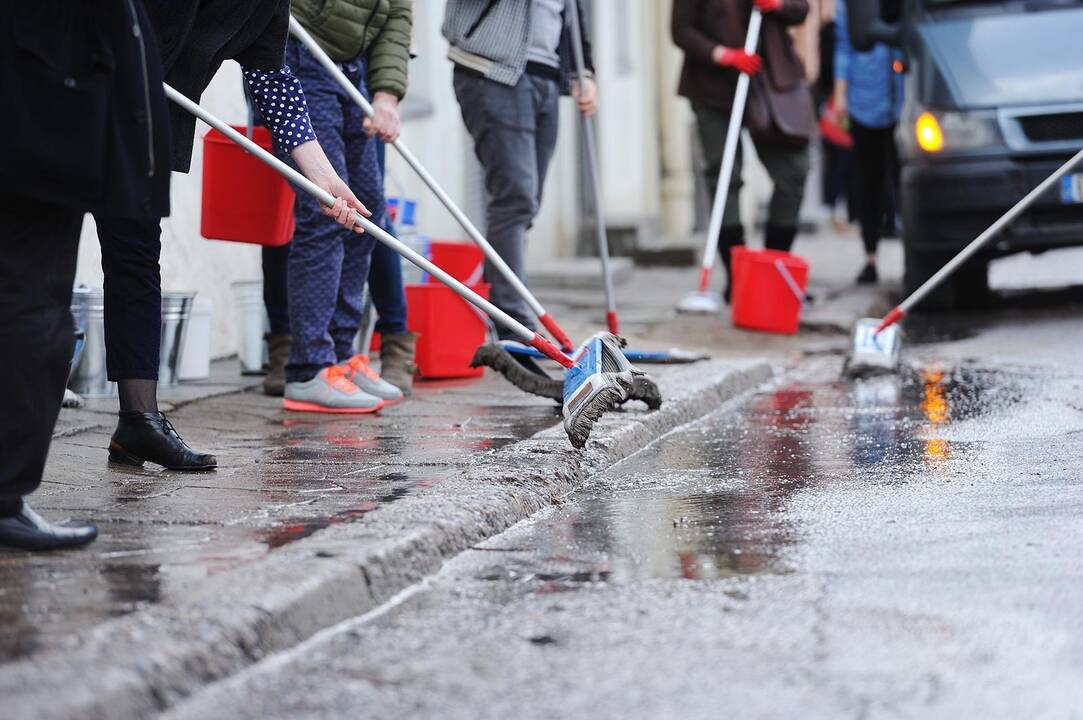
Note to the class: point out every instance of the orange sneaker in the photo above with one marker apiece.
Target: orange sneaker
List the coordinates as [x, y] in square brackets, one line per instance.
[358, 371]
[329, 392]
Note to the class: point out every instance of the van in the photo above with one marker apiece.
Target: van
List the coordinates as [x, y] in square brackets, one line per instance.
[994, 105]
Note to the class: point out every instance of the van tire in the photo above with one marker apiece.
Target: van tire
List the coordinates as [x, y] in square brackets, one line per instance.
[966, 289]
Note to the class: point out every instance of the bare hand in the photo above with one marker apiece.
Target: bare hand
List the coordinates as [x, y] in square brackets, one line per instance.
[385, 122]
[588, 99]
[313, 164]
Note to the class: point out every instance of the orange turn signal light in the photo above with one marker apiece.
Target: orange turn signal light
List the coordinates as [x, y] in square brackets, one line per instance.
[930, 136]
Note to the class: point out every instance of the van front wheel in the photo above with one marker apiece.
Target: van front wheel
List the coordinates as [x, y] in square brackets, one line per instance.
[967, 288]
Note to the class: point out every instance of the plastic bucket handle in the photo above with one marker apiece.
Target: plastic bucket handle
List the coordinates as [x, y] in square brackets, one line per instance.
[790, 282]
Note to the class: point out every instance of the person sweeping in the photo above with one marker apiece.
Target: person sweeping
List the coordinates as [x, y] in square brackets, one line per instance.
[779, 117]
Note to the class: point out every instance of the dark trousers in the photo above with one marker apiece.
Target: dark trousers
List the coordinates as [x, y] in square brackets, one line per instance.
[877, 168]
[787, 167]
[515, 132]
[38, 247]
[276, 287]
[385, 277]
[328, 266]
[131, 250]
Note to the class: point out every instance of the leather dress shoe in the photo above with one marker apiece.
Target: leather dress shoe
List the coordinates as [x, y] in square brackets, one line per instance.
[29, 531]
[140, 437]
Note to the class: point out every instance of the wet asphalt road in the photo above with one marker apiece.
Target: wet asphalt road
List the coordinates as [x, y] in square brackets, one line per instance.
[908, 546]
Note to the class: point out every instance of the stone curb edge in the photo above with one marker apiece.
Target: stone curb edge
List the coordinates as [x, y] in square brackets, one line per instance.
[141, 664]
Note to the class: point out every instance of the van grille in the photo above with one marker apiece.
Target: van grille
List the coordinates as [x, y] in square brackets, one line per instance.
[1046, 128]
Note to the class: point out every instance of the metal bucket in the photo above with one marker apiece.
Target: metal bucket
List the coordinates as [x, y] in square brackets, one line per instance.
[252, 325]
[88, 377]
[176, 312]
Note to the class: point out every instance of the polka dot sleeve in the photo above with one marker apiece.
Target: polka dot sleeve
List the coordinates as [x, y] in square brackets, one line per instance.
[281, 102]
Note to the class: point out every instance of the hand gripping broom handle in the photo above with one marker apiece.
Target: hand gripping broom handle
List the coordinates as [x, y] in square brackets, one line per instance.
[490, 253]
[729, 155]
[595, 179]
[976, 244]
[529, 336]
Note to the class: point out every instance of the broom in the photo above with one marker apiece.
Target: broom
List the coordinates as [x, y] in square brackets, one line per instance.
[593, 383]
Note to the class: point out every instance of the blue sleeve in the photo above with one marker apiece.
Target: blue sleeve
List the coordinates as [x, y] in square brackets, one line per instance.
[280, 100]
[842, 43]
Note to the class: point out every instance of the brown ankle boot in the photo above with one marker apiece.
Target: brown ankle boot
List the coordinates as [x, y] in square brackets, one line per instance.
[397, 360]
[278, 354]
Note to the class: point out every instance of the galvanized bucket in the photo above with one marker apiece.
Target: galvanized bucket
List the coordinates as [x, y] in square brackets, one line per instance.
[88, 377]
[176, 312]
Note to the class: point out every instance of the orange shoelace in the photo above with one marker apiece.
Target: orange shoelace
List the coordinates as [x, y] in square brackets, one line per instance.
[336, 377]
[360, 364]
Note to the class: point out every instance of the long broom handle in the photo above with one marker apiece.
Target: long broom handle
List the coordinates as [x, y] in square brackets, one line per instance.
[377, 232]
[977, 243]
[490, 252]
[595, 175]
[729, 156]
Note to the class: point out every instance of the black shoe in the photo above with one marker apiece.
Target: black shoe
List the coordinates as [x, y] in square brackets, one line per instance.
[149, 436]
[29, 531]
[868, 276]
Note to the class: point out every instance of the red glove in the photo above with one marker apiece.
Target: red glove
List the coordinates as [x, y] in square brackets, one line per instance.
[739, 59]
[767, 6]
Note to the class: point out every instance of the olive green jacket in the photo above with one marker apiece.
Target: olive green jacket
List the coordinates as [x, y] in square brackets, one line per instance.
[377, 29]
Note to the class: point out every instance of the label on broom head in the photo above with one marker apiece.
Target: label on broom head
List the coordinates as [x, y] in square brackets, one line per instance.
[866, 339]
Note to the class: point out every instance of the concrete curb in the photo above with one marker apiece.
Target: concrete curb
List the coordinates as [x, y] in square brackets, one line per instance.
[142, 663]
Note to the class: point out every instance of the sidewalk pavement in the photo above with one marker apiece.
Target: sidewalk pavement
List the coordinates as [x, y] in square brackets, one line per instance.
[309, 519]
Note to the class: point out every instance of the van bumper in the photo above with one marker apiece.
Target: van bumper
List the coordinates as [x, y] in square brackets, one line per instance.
[948, 203]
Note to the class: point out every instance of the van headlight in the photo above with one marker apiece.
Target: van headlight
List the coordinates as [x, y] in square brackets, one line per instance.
[932, 133]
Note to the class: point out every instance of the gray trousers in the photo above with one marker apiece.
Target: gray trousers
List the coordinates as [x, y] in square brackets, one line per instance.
[787, 167]
[515, 132]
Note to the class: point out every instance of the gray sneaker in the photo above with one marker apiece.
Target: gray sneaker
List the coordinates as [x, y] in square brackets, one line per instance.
[357, 371]
[329, 392]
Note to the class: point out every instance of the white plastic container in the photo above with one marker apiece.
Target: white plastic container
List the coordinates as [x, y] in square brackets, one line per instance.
[196, 357]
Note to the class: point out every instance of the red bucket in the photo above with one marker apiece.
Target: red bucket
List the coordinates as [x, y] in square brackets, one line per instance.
[464, 262]
[243, 199]
[449, 328]
[768, 289]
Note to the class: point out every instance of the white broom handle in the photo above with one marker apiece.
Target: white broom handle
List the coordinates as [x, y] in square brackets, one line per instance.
[976, 244]
[328, 199]
[729, 154]
[592, 165]
[490, 252]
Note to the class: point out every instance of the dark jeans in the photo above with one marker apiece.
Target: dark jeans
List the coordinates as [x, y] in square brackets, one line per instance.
[787, 167]
[131, 250]
[877, 169]
[385, 277]
[328, 266]
[515, 132]
[38, 246]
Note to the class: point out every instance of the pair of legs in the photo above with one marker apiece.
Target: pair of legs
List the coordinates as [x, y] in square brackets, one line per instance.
[38, 247]
[787, 166]
[131, 249]
[328, 266]
[515, 132]
[877, 168]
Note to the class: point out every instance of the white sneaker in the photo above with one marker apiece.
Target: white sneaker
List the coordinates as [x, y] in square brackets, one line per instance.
[329, 392]
[358, 372]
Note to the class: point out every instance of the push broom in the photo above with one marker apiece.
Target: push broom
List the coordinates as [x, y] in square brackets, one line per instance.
[877, 342]
[702, 301]
[593, 383]
[493, 356]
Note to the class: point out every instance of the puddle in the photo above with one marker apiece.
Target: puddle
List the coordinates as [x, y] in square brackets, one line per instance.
[711, 501]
